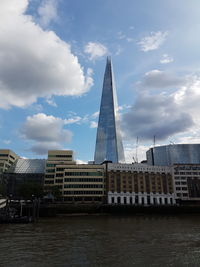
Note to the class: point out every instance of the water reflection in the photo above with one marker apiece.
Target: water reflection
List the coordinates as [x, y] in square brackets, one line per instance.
[103, 241]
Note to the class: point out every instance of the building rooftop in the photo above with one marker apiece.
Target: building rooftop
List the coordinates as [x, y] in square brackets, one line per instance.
[28, 166]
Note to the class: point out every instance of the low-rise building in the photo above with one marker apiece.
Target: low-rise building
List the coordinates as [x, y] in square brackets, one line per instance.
[83, 183]
[187, 181]
[139, 184]
[24, 171]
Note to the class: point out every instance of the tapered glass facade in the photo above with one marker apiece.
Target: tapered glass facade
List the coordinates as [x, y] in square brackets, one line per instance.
[109, 142]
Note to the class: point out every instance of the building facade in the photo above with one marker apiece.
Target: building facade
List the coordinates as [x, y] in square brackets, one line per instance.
[83, 183]
[174, 154]
[108, 141]
[7, 158]
[187, 182]
[23, 171]
[140, 184]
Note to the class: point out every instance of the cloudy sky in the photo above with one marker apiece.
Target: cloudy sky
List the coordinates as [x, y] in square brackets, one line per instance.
[52, 61]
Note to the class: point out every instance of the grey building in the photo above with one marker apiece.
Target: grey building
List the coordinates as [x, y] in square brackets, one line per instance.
[174, 154]
[108, 141]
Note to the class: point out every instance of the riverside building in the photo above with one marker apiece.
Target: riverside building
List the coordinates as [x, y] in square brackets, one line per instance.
[83, 183]
[24, 171]
[139, 184]
[187, 182]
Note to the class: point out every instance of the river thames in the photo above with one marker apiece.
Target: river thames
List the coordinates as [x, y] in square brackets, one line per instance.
[102, 241]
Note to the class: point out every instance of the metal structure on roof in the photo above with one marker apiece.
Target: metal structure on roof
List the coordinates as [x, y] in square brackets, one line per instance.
[28, 166]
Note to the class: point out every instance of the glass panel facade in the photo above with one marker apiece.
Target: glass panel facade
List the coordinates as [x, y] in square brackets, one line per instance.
[171, 154]
[108, 142]
[28, 166]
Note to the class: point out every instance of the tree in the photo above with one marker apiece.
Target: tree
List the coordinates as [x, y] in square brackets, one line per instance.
[27, 190]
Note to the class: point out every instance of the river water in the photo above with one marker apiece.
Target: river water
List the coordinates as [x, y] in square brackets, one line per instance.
[102, 241]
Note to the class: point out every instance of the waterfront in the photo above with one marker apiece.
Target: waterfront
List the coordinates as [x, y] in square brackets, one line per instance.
[97, 240]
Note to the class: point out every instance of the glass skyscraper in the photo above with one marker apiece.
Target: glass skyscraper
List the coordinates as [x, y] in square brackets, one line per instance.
[109, 142]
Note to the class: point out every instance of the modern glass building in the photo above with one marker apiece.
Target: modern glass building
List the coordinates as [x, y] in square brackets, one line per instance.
[171, 154]
[109, 142]
[23, 171]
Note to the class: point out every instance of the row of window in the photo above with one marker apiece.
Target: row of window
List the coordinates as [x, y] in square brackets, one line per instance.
[50, 170]
[83, 174]
[49, 182]
[180, 183]
[187, 168]
[50, 165]
[83, 192]
[49, 176]
[83, 186]
[84, 180]
[187, 173]
[60, 156]
[181, 188]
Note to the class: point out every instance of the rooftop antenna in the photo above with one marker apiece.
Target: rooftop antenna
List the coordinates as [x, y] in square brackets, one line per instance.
[136, 151]
[154, 141]
[134, 161]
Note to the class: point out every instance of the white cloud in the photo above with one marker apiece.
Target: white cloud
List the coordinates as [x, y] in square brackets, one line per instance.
[95, 50]
[7, 142]
[129, 39]
[135, 153]
[33, 62]
[118, 51]
[95, 115]
[79, 161]
[93, 124]
[121, 35]
[48, 12]
[51, 102]
[73, 120]
[153, 41]
[166, 59]
[47, 132]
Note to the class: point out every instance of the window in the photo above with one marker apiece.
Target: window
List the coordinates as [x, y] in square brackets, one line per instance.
[58, 181]
[59, 156]
[83, 173]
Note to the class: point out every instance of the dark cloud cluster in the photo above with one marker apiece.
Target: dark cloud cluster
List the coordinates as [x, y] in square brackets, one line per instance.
[156, 79]
[155, 115]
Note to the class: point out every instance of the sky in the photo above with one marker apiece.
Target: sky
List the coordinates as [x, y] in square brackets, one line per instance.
[52, 61]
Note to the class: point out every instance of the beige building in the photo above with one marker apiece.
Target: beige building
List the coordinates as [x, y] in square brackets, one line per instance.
[7, 158]
[139, 184]
[187, 181]
[77, 182]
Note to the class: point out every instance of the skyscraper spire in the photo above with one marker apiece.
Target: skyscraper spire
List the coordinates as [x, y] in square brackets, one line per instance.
[108, 142]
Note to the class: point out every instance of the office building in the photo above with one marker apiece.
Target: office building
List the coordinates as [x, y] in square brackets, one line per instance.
[108, 141]
[78, 183]
[174, 154]
[7, 158]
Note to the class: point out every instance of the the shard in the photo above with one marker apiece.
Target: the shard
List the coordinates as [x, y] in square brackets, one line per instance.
[109, 145]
